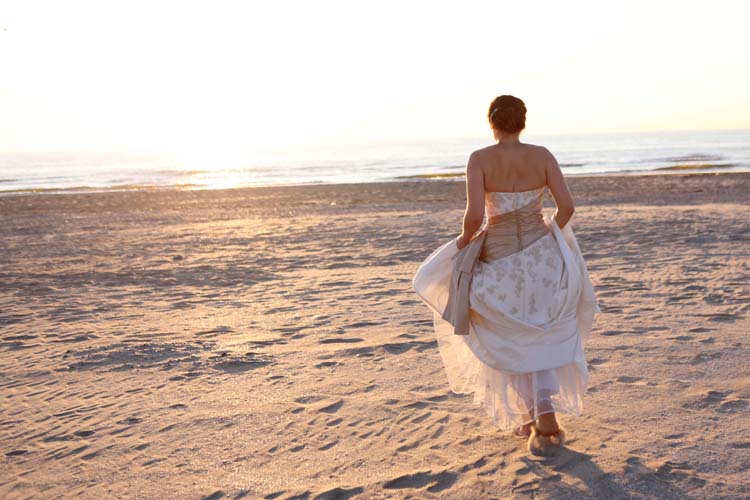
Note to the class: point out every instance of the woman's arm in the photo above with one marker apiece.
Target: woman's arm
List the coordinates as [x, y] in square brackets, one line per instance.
[560, 192]
[474, 214]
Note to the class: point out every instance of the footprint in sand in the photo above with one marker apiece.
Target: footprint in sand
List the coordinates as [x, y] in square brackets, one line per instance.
[421, 418]
[705, 356]
[129, 421]
[417, 480]
[336, 493]
[328, 445]
[308, 399]
[364, 324]
[409, 446]
[327, 364]
[666, 471]
[334, 422]
[711, 398]
[402, 347]
[344, 340]
[597, 361]
[682, 338]
[332, 408]
[250, 361]
[629, 380]
[733, 405]
[610, 333]
[214, 496]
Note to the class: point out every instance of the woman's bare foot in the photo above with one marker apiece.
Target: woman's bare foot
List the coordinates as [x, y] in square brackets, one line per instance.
[547, 438]
[546, 445]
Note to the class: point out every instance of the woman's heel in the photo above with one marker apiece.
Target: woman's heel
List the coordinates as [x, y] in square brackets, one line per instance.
[546, 445]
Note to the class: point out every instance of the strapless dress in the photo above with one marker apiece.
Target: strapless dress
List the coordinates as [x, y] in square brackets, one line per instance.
[531, 306]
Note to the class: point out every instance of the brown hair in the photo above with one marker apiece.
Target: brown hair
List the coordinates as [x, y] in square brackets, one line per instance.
[507, 113]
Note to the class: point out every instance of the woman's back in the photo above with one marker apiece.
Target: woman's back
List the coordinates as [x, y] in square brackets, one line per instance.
[513, 167]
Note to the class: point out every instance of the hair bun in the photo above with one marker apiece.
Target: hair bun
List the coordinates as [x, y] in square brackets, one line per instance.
[507, 113]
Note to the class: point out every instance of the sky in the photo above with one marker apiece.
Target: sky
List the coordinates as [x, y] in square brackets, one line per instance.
[218, 77]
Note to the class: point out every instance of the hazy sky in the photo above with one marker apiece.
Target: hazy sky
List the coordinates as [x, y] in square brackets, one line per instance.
[224, 77]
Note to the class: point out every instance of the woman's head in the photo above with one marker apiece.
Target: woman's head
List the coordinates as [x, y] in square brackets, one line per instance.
[507, 114]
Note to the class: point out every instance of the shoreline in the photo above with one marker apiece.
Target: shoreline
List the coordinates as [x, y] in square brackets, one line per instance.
[421, 178]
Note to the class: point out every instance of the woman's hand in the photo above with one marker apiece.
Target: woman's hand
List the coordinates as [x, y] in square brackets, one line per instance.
[462, 241]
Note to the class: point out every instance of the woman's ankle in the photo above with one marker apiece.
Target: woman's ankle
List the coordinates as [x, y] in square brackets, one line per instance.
[548, 432]
[547, 424]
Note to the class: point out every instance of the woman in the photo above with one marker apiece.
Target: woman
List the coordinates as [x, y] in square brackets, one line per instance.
[512, 299]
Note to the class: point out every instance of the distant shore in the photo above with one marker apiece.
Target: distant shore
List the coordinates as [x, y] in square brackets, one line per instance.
[723, 168]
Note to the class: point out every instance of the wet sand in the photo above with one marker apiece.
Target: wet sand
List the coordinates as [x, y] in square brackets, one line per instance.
[266, 343]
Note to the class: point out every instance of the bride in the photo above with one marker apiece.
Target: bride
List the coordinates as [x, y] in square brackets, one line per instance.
[512, 300]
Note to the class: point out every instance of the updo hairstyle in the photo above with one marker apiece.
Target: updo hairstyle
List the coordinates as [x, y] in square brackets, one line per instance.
[507, 114]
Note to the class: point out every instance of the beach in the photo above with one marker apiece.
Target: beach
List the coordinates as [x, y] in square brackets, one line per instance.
[266, 343]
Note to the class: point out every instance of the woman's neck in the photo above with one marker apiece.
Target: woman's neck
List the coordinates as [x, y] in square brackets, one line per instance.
[503, 138]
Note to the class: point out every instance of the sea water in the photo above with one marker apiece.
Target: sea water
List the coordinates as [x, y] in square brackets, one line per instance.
[577, 154]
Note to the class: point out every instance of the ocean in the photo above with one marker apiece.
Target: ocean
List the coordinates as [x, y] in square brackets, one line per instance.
[577, 154]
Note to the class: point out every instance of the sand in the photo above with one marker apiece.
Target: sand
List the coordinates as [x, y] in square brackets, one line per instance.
[266, 343]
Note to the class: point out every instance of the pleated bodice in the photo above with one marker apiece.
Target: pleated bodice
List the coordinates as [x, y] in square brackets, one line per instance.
[514, 221]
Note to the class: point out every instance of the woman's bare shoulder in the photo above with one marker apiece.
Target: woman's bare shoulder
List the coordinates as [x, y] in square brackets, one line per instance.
[541, 155]
[538, 148]
[477, 153]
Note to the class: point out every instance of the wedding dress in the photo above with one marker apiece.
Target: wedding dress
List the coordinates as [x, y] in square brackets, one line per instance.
[531, 305]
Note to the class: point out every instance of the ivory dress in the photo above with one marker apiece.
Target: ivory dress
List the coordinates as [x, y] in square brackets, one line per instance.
[530, 314]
